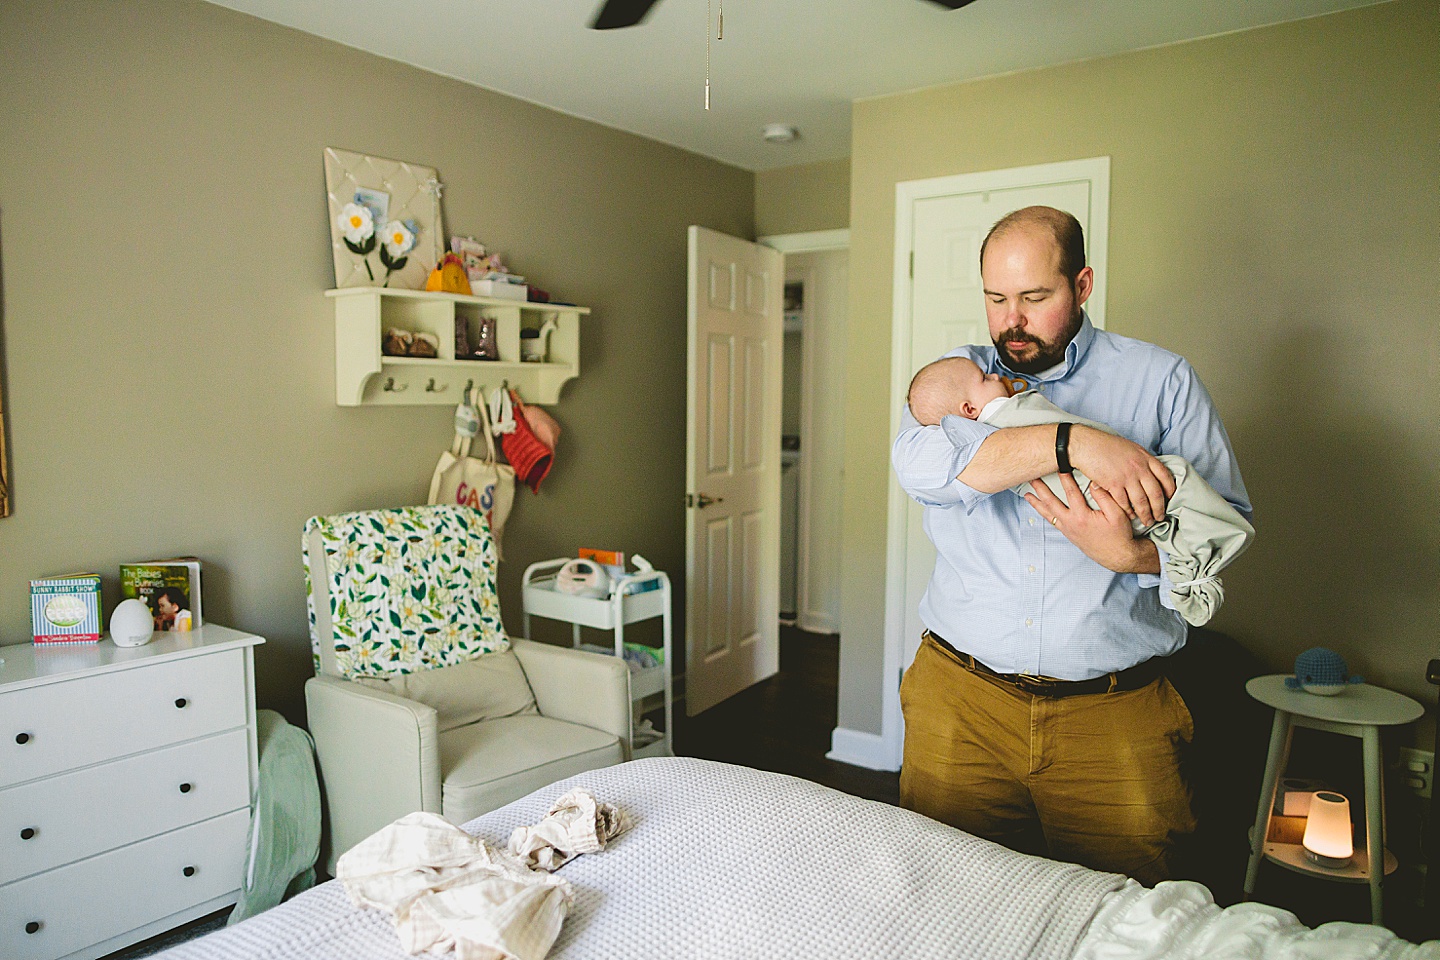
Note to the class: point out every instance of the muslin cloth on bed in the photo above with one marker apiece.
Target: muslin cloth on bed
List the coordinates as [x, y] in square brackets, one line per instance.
[447, 890]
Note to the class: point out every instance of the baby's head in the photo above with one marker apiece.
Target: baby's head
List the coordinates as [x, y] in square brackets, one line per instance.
[953, 385]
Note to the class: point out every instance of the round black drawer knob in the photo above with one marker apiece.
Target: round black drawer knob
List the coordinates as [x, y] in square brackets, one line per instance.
[186, 788]
[27, 834]
[189, 871]
[22, 738]
[33, 926]
[181, 703]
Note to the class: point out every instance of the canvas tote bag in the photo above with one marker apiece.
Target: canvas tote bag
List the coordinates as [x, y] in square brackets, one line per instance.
[484, 485]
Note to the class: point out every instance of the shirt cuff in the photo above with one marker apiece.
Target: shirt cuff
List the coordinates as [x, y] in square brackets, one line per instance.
[966, 436]
[1160, 580]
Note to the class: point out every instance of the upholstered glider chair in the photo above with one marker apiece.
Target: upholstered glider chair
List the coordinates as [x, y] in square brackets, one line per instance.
[420, 701]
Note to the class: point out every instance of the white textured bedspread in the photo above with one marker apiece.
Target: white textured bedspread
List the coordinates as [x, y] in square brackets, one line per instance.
[725, 861]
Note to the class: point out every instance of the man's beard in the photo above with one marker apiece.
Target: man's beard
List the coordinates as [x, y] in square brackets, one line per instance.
[1050, 352]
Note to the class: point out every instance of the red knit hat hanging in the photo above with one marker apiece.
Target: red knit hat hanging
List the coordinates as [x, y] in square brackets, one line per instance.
[525, 451]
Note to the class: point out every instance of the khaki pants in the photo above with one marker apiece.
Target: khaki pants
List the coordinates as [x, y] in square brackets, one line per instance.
[1098, 774]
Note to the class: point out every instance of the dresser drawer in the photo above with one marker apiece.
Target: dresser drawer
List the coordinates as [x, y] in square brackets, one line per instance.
[57, 820]
[61, 726]
[93, 900]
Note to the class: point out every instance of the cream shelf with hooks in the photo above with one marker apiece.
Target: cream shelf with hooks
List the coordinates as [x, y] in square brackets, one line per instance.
[364, 375]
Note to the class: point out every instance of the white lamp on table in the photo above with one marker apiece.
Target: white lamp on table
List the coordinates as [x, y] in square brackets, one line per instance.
[1328, 839]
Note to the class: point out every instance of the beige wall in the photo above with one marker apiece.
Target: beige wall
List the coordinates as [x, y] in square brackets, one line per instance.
[169, 353]
[804, 198]
[1273, 218]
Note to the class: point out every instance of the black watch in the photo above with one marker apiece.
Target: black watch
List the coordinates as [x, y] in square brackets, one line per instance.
[1062, 448]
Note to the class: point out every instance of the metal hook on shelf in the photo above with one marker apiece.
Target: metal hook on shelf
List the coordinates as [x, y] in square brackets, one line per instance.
[431, 388]
[390, 386]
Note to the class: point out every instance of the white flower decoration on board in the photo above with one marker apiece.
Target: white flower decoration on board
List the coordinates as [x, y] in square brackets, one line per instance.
[358, 226]
[356, 223]
[399, 239]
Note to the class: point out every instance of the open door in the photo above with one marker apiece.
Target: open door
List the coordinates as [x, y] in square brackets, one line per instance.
[732, 474]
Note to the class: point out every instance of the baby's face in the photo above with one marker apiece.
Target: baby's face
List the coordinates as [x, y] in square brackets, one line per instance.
[980, 388]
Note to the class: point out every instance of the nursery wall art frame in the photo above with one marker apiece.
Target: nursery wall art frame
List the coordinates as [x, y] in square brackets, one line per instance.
[384, 220]
[5, 506]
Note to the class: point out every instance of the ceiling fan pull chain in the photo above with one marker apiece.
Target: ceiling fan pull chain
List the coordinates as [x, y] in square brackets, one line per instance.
[721, 35]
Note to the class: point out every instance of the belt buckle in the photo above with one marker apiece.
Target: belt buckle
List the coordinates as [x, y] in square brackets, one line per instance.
[1030, 682]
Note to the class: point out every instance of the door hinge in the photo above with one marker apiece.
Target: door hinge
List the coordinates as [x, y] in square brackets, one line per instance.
[912, 264]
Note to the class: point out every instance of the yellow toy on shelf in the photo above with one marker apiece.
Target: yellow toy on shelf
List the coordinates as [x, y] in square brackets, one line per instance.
[449, 276]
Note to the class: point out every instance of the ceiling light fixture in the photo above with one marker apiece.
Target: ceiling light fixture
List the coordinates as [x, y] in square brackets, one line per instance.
[779, 133]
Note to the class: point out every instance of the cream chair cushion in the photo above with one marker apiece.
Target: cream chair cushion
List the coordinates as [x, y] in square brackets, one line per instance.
[489, 764]
[487, 688]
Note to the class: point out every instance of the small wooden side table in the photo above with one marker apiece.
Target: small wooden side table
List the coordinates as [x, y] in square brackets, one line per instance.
[1360, 711]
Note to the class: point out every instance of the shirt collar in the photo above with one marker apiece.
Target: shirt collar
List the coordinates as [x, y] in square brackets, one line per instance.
[1075, 351]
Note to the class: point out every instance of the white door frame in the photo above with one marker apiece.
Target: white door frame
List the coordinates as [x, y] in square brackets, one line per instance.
[817, 241]
[1094, 169]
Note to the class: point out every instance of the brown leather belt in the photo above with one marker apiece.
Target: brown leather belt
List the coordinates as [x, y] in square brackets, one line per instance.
[1131, 678]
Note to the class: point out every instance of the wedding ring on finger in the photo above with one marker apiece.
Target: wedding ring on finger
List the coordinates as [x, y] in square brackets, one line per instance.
[1054, 521]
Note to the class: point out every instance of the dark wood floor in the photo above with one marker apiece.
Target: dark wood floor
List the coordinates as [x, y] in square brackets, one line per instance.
[783, 724]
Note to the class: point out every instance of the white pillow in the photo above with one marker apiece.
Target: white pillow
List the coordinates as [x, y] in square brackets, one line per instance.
[490, 686]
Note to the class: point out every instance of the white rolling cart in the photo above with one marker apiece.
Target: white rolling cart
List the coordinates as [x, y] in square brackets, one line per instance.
[624, 605]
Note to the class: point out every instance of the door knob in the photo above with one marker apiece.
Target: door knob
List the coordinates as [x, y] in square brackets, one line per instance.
[700, 501]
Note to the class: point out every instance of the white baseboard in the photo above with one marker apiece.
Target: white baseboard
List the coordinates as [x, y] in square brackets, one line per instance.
[861, 749]
[816, 623]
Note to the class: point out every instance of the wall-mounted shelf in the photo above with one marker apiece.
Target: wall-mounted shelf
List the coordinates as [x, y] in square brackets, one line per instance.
[365, 375]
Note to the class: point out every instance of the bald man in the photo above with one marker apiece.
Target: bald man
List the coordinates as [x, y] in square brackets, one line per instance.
[1037, 712]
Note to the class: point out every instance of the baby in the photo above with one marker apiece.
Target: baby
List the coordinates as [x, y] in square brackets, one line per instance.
[1201, 532]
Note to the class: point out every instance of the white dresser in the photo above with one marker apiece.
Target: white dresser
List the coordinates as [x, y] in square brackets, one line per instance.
[126, 781]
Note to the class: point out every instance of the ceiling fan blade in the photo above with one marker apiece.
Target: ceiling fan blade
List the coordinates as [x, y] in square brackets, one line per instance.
[952, 4]
[622, 13]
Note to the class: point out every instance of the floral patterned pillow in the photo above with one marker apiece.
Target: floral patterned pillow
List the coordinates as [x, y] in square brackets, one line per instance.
[410, 589]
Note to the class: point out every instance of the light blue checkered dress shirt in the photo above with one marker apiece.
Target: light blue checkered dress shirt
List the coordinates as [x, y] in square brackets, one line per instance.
[1008, 588]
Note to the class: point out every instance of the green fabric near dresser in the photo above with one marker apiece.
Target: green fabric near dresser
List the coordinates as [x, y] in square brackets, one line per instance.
[285, 827]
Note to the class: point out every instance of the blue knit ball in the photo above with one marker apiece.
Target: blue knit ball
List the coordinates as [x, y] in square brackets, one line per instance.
[1321, 671]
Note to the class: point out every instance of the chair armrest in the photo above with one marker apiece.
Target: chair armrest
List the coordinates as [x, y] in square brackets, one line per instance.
[591, 689]
[379, 758]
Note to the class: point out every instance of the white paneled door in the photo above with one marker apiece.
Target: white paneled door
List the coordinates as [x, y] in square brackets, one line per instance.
[732, 475]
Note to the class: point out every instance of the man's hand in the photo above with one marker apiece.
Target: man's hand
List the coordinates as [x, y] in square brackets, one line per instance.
[1103, 535]
[1131, 477]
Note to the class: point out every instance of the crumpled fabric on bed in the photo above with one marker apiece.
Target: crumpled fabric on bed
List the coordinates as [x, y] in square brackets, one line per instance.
[575, 824]
[1178, 920]
[450, 891]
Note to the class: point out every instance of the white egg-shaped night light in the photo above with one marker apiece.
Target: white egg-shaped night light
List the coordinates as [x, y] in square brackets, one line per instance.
[131, 624]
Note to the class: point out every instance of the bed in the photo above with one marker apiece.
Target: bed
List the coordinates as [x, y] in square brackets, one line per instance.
[723, 861]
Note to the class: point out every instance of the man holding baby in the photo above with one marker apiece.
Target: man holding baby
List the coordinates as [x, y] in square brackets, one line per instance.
[1037, 713]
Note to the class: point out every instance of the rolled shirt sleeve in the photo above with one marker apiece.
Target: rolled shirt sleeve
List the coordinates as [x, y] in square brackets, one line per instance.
[927, 460]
